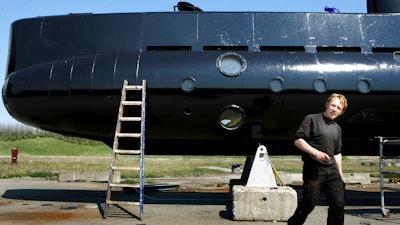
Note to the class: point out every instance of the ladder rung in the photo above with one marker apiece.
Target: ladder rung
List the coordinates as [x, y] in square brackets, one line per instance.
[128, 152]
[134, 103]
[133, 87]
[125, 185]
[132, 135]
[130, 118]
[125, 168]
[122, 202]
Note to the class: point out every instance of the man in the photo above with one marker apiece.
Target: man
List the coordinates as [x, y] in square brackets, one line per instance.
[320, 139]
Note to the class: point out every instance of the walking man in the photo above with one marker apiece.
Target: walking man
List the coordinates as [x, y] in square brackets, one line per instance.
[320, 139]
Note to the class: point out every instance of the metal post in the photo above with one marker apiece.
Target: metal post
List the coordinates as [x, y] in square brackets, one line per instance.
[381, 171]
[142, 149]
[385, 212]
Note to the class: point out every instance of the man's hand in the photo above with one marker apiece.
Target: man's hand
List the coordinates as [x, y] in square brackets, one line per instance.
[320, 156]
[313, 152]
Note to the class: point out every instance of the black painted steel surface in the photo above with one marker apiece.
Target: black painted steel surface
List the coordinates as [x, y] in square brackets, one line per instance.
[65, 74]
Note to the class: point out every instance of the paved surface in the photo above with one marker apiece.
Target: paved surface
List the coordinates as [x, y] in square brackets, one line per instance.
[197, 201]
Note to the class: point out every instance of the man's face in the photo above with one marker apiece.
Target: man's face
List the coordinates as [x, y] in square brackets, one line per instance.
[333, 109]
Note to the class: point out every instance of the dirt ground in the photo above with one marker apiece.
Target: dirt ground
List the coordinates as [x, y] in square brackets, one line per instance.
[190, 200]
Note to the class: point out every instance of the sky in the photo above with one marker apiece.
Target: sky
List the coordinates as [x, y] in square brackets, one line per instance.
[11, 11]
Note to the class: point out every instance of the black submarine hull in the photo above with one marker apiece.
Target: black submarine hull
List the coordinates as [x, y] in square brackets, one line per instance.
[65, 74]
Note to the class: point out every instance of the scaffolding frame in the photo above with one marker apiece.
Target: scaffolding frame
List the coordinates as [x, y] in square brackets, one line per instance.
[382, 142]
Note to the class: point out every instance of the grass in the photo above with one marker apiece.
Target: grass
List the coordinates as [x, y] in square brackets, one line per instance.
[53, 146]
[46, 156]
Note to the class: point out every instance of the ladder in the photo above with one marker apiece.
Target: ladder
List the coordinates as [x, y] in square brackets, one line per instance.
[128, 144]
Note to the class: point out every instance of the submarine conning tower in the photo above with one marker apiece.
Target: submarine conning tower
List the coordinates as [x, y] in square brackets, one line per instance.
[383, 6]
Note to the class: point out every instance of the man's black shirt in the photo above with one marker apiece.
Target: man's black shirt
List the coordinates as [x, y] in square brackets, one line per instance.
[321, 133]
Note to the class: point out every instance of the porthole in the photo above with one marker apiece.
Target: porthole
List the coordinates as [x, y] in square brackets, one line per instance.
[364, 85]
[231, 64]
[396, 56]
[231, 117]
[320, 85]
[276, 84]
[188, 84]
[187, 111]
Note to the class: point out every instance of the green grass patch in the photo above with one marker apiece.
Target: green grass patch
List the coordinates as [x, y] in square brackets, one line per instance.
[53, 146]
[32, 174]
[45, 156]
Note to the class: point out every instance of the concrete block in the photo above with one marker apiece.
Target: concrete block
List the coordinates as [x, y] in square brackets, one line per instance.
[286, 178]
[357, 178]
[263, 203]
[88, 176]
[103, 176]
[297, 177]
[67, 176]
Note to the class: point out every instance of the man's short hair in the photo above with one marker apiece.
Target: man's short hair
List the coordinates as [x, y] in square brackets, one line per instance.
[341, 98]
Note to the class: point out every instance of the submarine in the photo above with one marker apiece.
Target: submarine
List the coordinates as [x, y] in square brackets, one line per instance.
[217, 82]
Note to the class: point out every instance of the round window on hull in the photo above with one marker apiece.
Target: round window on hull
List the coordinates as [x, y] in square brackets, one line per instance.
[396, 56]
[276, 84]
[364, 86]
[188, 84]
[231, 117]
[320, 85]
[231, 64]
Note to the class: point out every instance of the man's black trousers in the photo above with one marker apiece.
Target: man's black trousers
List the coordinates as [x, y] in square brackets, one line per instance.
[320, 179]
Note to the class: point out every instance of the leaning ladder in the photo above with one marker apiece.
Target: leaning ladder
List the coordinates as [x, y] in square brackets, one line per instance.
[128, 142]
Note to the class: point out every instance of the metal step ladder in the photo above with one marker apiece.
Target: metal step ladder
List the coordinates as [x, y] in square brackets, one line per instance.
[128, 147]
